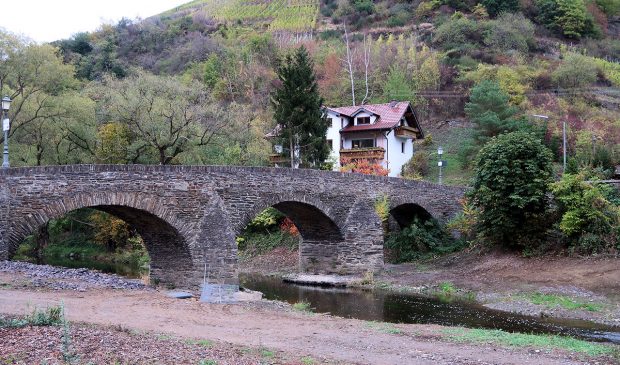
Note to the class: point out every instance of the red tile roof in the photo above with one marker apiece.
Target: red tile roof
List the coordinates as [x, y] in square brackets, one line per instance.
[389, 116]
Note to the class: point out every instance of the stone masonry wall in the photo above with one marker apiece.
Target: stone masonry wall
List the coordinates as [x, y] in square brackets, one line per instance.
[189, 215]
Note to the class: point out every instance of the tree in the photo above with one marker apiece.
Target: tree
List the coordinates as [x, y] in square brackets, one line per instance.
[576, 71]
[490, 111]
[166, 117]
[496, 7]
[564, 16]
[397, 86]
[297, 110]
[512, 176]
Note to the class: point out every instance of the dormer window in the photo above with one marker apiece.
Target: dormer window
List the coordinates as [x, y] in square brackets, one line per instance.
[363, 120]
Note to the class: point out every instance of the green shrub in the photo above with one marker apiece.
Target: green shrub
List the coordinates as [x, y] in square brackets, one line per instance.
[576, 71]
[496, 7]
[417, 167]
[510, 32]
[587, 217]
[422, 238]
[512, 177]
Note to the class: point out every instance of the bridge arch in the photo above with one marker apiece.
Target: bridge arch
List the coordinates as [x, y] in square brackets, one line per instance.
[320, 233]
[166, 240]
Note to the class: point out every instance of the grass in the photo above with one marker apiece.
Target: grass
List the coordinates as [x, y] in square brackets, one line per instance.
[302, 306]
[202, 343]
[307, 360]
[51, 316]
[554, 301]
[503, 338]
[384, 327]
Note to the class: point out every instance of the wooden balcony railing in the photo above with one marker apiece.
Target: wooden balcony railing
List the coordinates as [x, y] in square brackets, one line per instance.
[407, 132]
[278, 159]
[371, 153]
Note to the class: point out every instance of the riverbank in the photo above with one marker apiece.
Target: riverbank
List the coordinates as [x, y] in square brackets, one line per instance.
[552, 286]
[139, 325]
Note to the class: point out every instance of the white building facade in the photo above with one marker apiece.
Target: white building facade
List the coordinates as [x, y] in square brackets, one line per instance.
[381, 133]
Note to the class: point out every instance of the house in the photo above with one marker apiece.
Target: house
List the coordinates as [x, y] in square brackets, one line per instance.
[382, 133]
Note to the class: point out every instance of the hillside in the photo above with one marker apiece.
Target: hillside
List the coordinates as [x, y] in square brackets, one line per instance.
[548, 57]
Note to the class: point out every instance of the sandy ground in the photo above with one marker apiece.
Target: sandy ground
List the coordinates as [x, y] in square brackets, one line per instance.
[275, 326]
[261, 325]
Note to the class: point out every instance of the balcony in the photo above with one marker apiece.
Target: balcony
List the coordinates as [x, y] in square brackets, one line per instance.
[277, 158]
[369, 153]
[407, 132]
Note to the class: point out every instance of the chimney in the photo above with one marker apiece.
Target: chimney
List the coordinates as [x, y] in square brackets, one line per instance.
[393, 103]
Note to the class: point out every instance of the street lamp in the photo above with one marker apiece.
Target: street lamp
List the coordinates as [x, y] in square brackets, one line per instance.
[6, 125]
[440, 163]
[563, 139]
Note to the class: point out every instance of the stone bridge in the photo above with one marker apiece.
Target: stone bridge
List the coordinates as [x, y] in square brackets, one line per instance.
[189, 216]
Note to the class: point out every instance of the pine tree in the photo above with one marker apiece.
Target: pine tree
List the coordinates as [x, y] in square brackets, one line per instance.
[297, 105]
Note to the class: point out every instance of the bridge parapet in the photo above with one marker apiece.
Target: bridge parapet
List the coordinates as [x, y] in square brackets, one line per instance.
[190, 215]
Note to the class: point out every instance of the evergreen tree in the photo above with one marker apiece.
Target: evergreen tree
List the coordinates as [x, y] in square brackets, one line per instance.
[297, 105]
[490, 111]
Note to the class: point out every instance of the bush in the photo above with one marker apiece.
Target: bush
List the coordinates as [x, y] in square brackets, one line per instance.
[363, 166]
[587, 217]
[496, 7]
[576, 71]
[422, 238]
[512, 177]
[568, 17]
[457, 34]
[510, 32]
[417, 167]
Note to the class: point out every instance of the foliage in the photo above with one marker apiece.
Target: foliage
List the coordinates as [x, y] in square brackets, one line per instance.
[567, 17]
[496, 7]
[382, 208]
[510, 32]
[397, 86]
[297, 110]
[113, 144]
[459, 34]
[587, 216]
[166, 117]
[465, 222]
[527, 340]
[422, 238]
[266, 221]
[110, 232]
[302, 306]
[610, 7]
[50, 316]
[417, 166]
[512, 175]
[363, 166]
[576, 71]
[490, 111]
[554, 301]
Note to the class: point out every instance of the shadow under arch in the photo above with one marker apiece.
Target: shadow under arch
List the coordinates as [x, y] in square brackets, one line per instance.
[320, 234]
[166, 245]
[404, 214]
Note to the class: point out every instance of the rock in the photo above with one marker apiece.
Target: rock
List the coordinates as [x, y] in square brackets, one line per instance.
[179, 294]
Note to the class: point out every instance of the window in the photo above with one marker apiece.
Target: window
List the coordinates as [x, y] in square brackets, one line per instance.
[363, 120]
[330, 121]
[402, 147]
[330, 144]
[362, 143]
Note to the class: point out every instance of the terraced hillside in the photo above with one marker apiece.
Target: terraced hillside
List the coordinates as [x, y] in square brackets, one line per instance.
[275, 15]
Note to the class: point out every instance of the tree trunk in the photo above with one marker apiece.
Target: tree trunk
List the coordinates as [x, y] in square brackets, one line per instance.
[292, 150]
[41, 240]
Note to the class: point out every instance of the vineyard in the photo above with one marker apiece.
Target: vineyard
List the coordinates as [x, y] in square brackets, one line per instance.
[276, 15]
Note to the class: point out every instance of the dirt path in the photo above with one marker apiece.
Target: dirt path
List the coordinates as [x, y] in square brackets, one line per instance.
[259, 325]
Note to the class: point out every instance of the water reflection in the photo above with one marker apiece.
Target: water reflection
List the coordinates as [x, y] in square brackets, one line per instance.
[407, 308]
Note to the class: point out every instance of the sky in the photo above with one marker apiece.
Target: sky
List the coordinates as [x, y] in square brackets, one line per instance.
[50, 20]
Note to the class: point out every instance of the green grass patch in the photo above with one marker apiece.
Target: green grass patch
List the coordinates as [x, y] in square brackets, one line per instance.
[307, 360]
[526, 340]
[50, 316]
[384, 327]
[554, 301]
[202, 343]
[302, 306]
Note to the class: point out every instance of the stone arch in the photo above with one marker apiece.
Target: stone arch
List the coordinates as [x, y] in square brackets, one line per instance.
[404, 212]
[320, 232]
[166, 239]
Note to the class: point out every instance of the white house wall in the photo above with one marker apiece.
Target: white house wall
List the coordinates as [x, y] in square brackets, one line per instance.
[333, 134]
[394, 153]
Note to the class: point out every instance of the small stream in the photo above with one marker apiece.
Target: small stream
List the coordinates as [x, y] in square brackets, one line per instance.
[385, 306]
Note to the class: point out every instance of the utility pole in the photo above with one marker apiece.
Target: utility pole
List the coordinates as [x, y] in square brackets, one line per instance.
[564, 146]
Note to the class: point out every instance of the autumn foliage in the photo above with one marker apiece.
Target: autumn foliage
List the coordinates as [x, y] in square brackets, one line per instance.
[363, 166]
